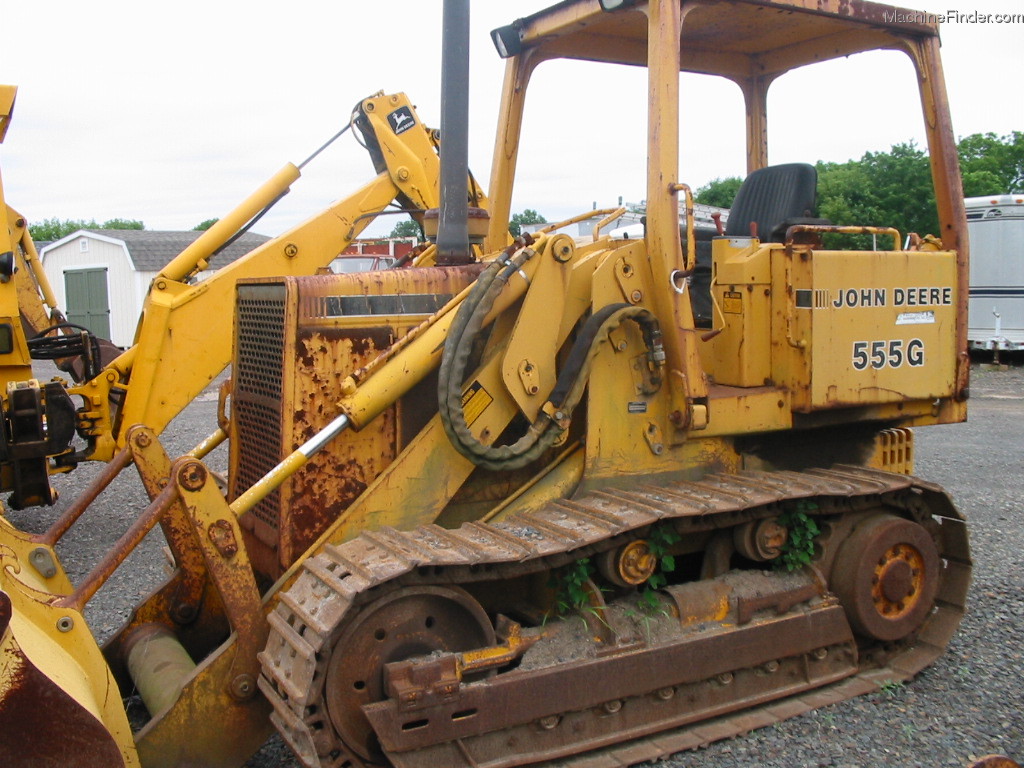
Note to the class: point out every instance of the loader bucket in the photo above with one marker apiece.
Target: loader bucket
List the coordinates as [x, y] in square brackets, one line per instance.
[59, 704]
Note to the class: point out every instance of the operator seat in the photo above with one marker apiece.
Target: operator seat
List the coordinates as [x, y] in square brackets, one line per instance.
[775, 197]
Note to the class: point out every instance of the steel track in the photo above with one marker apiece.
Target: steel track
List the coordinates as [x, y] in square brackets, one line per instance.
[334, 583]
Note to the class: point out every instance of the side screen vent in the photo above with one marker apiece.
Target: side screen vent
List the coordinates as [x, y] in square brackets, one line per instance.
[256, 402]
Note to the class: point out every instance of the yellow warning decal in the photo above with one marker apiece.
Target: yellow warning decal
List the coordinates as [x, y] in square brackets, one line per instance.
[733, 303]
[475, 401]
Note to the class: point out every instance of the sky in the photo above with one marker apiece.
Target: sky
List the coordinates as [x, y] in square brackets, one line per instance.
[172, 113]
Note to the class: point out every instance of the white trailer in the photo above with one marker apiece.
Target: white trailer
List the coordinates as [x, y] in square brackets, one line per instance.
[995, 224]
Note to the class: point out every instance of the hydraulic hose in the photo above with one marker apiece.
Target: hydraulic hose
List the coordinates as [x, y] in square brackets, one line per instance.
[569, 387]
[457, 351]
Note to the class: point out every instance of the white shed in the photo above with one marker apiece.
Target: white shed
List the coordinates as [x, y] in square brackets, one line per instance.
[100, 276]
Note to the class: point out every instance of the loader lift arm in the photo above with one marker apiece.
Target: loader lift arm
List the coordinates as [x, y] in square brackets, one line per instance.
[183, 340]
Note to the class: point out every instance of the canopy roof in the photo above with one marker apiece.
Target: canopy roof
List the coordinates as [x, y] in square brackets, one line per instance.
[733, 38]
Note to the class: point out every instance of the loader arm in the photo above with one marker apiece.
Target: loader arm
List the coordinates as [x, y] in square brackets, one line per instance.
[36, 302]
[21, 307]
[183, 340]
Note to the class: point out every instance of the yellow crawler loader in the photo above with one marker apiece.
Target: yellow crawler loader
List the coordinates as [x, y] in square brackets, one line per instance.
[525, 501]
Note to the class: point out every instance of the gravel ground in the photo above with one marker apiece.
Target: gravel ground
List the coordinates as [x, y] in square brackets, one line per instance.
[968, 704]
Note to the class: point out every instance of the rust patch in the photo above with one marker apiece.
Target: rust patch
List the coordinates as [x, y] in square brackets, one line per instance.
[325, 340]
[5, 613]
[41, 725]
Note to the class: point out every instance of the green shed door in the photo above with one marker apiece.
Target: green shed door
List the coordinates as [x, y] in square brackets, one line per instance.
[86, 292]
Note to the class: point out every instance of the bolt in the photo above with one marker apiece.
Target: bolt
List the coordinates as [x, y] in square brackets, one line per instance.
[65, 624]
[161, 285]
[613, 706]
[771, 667]
[725, 678]
[666, 693]
[549, 723]
[192, 476]
[820, 654]
[19, 223]
[368, 106]
[243, 686]
[291, 250]
[658, 449]
[143, 440]
[403, 174]
[635, 296]
[184, 613]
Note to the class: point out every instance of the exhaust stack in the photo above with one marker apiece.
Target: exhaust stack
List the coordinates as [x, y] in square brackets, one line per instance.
[453, 227]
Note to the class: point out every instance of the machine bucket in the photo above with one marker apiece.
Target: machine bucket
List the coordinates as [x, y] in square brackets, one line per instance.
[51, 712]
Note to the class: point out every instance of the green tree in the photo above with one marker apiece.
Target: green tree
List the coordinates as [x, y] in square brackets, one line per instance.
[528, 216]
[886, 189]
[55, 229]
[992, 165]
[204, 225]
[123, 224]
[407, 228]
[719, 192]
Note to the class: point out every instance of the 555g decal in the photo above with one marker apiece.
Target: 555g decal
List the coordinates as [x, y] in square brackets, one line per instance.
[894, 353]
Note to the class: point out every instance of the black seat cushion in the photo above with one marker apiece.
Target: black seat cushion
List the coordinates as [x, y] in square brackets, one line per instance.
[770, 196]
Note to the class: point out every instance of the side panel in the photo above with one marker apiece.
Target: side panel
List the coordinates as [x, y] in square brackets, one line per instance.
[847, 329]
[876, 326]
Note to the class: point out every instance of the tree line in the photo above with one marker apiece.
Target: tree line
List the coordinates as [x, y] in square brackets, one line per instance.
[49, 230]
[894, 188]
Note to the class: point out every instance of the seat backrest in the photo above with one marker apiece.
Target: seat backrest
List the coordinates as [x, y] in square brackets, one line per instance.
[772, 195]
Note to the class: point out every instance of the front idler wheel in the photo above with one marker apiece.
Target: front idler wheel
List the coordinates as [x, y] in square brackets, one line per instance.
[412, 621]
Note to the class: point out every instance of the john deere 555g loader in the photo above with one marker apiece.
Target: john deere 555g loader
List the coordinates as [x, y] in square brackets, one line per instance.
[519, 502]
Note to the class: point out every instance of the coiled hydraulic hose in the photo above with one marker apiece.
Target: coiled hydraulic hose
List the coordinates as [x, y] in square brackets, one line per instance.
[568, 391]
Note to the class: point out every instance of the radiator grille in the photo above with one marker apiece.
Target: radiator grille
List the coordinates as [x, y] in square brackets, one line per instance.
[260, 341]
[259, 368]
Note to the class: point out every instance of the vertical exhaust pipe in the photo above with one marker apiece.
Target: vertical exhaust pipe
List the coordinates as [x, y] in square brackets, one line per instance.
[453, 226]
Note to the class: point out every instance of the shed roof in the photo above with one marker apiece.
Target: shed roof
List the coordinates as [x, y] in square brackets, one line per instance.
[151, 250]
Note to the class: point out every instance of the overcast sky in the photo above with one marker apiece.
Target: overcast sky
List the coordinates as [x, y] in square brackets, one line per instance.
[171, 113]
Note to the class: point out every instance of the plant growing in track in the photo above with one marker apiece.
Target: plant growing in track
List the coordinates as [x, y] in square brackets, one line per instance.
[798, 550]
